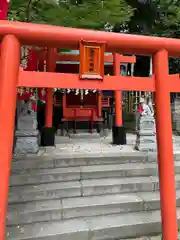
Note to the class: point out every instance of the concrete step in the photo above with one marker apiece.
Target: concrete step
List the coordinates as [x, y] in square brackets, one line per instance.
[37, 176]
[26, 164]
[86, 172]
[118, 226]
[159, 237]
[68, 208]
[121, 185]
[44, 191]
[91, 187]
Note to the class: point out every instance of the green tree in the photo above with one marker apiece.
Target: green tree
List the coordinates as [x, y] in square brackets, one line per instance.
[157, 18]
[94, 14]
[167, 18]
[31, 10]
[91, 14]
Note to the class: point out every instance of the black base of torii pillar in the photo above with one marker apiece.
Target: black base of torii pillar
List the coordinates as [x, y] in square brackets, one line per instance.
[119, 135]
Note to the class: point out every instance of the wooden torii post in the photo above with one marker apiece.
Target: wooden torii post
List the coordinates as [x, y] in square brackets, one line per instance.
[48, 132]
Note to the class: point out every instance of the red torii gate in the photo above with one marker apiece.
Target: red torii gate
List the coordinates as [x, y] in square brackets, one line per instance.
[13, 34]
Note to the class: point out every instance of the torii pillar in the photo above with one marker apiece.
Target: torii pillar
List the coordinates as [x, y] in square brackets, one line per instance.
[118, 131]
[165, 147]
[9, 72]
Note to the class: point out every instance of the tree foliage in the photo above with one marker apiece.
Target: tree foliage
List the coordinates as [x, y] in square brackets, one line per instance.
[155, 17]
[93, 14]
[30, 10]
[96, 13]
[147, 17]
[168, 17]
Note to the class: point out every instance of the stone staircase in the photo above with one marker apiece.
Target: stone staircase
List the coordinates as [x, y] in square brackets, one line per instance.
[93, 198]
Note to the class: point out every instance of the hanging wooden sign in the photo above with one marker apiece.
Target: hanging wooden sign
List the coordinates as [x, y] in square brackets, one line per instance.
[91, 60]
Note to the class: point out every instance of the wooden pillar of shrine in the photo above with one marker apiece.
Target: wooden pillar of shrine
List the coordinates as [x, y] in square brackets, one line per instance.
[118, 131]
[100, 104]
[165, 147]
[48, 132]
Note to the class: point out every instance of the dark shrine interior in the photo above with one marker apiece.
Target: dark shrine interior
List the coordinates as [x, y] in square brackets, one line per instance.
[141, 68]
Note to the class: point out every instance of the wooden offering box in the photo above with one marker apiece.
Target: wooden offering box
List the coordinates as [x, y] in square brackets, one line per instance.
[77, 109]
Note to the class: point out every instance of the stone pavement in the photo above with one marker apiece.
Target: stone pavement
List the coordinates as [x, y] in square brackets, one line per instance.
[92, 145]
[86, 145]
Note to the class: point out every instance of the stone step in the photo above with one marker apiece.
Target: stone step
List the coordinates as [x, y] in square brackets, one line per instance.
[159, 237]
[84, 188]
[37, 176]
[85, 172]
[77, 207]
[121, 185]
[117, 226]
[26, 164]
[152, 147]
[44, 191]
